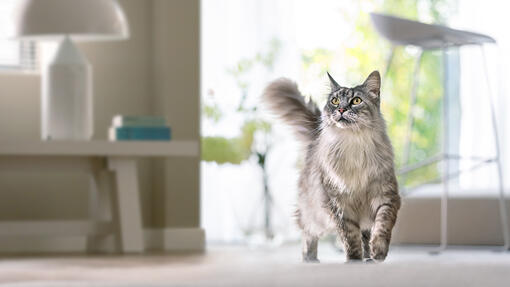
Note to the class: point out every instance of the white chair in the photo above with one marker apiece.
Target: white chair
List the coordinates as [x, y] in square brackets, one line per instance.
[436, 37]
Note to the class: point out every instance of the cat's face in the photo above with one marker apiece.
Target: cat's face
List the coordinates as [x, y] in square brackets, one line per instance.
[356, 107]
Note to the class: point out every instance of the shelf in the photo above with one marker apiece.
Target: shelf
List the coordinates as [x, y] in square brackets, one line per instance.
[100, 148]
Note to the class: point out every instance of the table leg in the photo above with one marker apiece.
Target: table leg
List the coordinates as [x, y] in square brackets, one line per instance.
[127, 204]
[100, 210]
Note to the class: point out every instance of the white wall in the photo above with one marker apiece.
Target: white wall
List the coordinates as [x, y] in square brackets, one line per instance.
[176, 88]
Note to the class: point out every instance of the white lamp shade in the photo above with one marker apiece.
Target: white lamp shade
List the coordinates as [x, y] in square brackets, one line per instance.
[80, 19]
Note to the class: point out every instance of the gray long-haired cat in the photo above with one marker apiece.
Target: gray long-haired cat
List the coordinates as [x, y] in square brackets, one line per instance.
[348, 184]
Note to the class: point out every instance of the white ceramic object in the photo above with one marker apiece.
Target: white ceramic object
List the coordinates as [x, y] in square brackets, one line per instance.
[67, 98]
[66, 106]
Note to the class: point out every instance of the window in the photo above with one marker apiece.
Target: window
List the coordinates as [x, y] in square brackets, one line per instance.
[246, 154]
[244, 46]
[14, 54]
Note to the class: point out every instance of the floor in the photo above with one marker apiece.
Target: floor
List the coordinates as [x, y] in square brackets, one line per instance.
[272, 266]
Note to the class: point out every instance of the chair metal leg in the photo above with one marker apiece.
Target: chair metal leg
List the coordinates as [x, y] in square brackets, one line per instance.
[446, 161]
[503, 213]
[502, 201]
[388, 62]
[410, 116]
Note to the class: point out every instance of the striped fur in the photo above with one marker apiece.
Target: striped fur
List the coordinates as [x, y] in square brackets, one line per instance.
[348, 185]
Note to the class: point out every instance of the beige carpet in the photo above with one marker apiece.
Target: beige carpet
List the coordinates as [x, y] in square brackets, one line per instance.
[241, 266]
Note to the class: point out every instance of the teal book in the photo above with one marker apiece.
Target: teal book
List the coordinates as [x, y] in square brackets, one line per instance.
[138, 121]
[140, 133]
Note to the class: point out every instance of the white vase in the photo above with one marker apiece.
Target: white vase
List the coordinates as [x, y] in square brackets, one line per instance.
[66, 104]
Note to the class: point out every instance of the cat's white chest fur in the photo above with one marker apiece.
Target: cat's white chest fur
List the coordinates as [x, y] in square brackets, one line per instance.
[351, 160]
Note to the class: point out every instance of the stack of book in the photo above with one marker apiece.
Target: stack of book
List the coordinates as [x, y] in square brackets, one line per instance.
[139, 128]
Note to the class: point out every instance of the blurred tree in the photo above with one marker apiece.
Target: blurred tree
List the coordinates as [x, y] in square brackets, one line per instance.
[254, 138]
[367, 51]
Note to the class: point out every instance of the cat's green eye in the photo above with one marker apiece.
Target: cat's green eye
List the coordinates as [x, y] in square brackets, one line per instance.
[356, 101]
[335, 101]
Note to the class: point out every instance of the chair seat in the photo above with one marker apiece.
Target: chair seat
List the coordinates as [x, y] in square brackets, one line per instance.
[401, 31]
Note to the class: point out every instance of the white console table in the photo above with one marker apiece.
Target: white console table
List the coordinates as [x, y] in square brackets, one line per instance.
[115, 198]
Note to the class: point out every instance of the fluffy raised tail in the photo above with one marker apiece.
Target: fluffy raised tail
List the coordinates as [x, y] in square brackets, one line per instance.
[283, 98]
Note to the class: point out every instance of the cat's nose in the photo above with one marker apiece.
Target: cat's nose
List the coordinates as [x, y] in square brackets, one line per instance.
[341, 110]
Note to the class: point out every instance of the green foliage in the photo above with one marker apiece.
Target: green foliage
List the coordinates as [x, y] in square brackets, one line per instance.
[321, 57]
[223, 150]
[370, 52]
[211, 112]
[235, 150]
[268, 59]
[249, 128]
[398, 87]
[241, 71]
[366, 52]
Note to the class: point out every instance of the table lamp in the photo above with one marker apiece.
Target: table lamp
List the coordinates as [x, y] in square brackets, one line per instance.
[66, 80]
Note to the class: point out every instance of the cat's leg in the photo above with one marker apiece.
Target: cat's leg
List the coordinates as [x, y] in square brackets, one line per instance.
[385, 217]
[350, 234]
[310, 244]
[365, 237]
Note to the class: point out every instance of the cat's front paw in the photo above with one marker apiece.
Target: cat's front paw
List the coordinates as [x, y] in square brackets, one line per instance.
[354, 258]
[378, 249]
[311, 260]
[354, 261]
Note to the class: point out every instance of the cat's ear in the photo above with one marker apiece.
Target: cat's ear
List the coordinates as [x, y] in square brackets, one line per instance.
[332, 83]
[373, 83]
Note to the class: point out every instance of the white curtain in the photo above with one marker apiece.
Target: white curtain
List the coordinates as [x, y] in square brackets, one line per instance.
[477, 137]
[232, 194]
